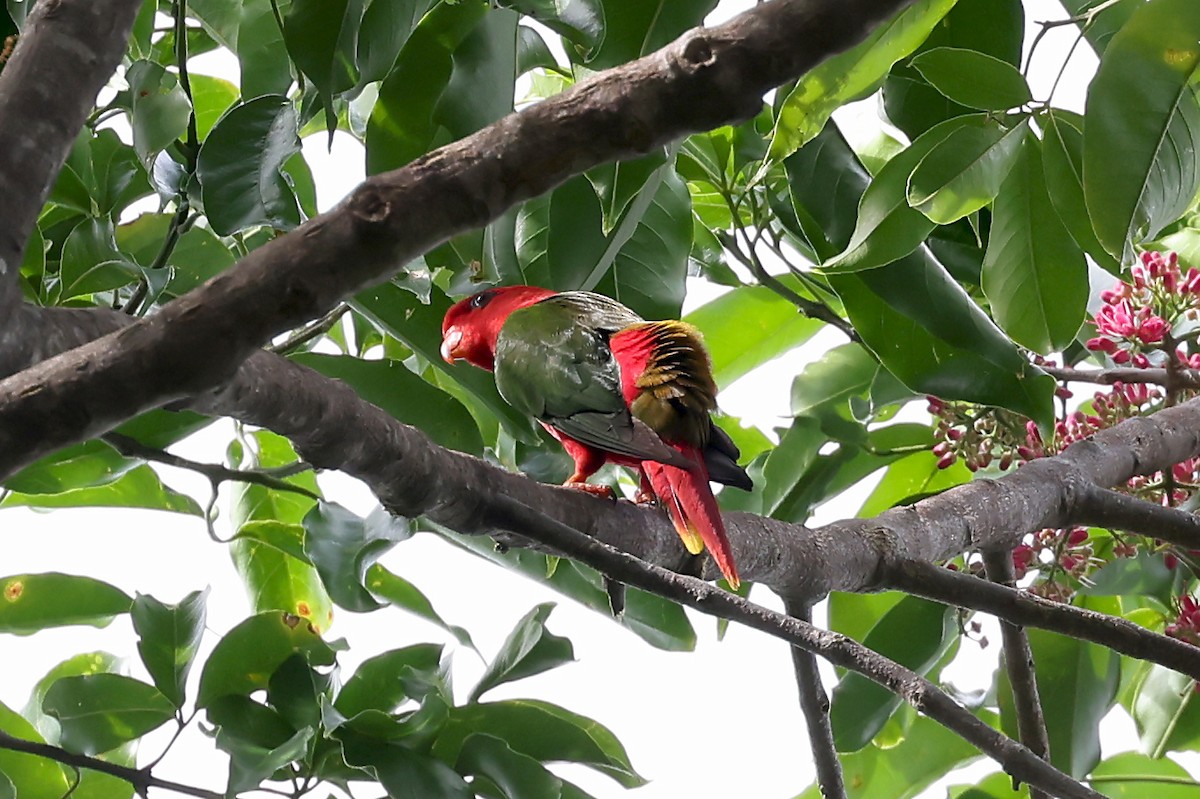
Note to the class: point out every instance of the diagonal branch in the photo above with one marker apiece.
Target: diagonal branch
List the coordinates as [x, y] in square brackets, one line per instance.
[1021, 607]
[1104, 507]
[1018, 661]
[814, 703]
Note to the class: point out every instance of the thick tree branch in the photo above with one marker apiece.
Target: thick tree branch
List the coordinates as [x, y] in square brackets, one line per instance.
[814, 703]
[63, 58]
[704, 79]
[1018, 661]
[838, 649]
[141, 779]
[1021, 607]
[1104, 507]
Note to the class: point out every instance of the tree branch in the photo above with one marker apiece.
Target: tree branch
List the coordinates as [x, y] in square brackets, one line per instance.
[63, 58]
[1184, 378]
[1018, 661]
[1107, 508]
[814, 703]
[141, 779]
[838, 649]
[1021, 607]
[704, 79]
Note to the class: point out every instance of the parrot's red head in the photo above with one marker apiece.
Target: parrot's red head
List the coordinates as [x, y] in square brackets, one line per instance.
[472, 326]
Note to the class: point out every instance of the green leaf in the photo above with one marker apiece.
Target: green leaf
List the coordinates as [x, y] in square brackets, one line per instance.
[343, 545]
[140, 487]
[580, 22]
[540, 730]
[916, 633]
[963, 172]
[253, 502]
[912, 477]
[400, 593]
[83, 465]
[748, 326]
[928, 333]
[262, 56]
[1141, 143]
[973, 79]
[101, 175]
[239, 166]
[385, 28]
[650, 270]
[1130, 775]
[264, 553]
[515, 774]
[168, 640]
[99, 712]
[322, 39]
[850, 75]
[1034, 275]
[841, 373]
[91, 262]
[1062, 159]
[376, 684]
[211, 97]
[199, 254]
[160, 108]
[85, 663]
[558, 237]
[402, 124]
[402, 393]
[1077, 682]
[528, 650]
[401, 314]
[481, 87]
[888, 228]
[634, 28]
[32, 777]
[825, 182]
[32, 602]
[245, 658]
[249, 765]
[1166, 711]
[404, 773]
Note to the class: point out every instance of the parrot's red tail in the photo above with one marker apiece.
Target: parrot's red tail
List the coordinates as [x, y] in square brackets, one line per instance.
[692, 507]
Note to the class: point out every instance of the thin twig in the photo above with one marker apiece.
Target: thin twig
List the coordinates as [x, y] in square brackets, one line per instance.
[318, 327]
[216, 473]
[838, 649]
[1185, 378]
[1021, 607]
[1018, 661]
[1103, 507]
[814, 702]
[141, 779]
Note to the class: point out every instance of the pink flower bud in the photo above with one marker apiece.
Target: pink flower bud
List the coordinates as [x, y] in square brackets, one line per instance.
[1077, 536]
[947, 460]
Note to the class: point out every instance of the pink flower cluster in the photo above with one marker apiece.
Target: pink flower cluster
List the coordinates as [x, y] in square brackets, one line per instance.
[1067, 550]
[1141, 314]
[1186, 626]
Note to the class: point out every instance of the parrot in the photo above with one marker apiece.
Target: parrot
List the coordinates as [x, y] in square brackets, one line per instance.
[611, 387]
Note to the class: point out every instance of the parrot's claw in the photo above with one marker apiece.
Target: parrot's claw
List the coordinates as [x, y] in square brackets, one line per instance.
[597, 491]
[643, 497]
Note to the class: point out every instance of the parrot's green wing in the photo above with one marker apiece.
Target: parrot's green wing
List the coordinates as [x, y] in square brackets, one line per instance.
[553, 362]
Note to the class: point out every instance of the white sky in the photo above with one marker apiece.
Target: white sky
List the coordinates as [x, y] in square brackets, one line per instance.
[722, 721]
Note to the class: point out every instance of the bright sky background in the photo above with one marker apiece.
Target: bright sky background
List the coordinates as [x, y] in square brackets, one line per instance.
[722, 721]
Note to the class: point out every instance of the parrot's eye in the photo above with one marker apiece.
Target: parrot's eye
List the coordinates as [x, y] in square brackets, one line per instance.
[481, 299]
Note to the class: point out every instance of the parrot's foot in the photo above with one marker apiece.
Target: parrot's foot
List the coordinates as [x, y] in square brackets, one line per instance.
[644, 497]
[597, 491]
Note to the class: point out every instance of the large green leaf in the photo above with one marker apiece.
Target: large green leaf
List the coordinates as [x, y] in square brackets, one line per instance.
[514, 774]
[402, 124]
[850, 75]
[402, 772]
[1034, 275]
[403, 394]
[1130, 775]
[211, 98]
[376, 684]
[529, 649]
[32, 602]
[925, 329]
[481, 87]
[99, 712]
[322, 39]
[973, 79]
[1062, 159]
[265, 555]
[580, 22]
[343, 545]
[543, 731]
[32, 777]
[91, 262]
[168, 640]
[916, 633]
[634, 28]
[101, 175]
[888, 227]
[198, 255]
[83, 465]
[1166, 711]
[747, 327]
[140, 487]
[245, 658]
[385, 28]
[400, 593]
[239, 166]
[963, 172]
[559, 237]
[1077, 682]
[1141, 143]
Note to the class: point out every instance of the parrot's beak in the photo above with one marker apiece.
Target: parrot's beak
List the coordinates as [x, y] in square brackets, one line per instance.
[450, 344]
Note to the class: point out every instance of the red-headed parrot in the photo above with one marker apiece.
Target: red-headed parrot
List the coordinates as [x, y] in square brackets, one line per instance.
[613, 388]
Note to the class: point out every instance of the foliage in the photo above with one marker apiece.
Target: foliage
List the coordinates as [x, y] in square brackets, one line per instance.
[960, 259]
